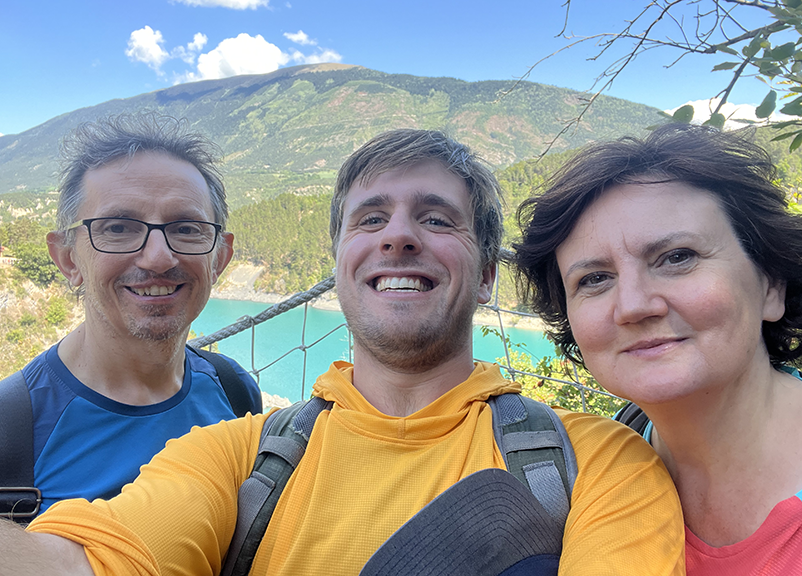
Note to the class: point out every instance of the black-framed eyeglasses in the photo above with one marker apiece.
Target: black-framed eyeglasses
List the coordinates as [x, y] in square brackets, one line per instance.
[128, 235]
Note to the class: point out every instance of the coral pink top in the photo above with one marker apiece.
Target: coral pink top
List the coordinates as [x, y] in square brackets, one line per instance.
[775, 549]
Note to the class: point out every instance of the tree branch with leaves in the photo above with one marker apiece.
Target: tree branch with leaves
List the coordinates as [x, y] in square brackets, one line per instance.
[771, 52]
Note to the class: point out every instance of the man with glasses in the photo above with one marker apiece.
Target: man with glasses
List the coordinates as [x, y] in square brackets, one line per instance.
[141, 236]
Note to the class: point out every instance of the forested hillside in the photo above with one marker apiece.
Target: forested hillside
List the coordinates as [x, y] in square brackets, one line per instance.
[290, 130]
[289, 236]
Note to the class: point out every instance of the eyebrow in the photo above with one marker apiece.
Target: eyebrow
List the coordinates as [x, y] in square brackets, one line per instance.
[372, 202]
[419, 198]
[649, 249]
[424, 199]
[137, 215]
[588, 264]
[661, 243]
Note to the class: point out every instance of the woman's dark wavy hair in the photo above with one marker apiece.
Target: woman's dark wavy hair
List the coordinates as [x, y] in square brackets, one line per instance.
[740, 174]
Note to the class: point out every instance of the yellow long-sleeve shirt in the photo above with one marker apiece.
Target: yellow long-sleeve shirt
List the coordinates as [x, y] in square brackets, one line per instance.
[363, 475]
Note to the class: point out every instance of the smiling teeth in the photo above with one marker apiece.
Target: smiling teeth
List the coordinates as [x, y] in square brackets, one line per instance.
[401, 284]
[154, 291]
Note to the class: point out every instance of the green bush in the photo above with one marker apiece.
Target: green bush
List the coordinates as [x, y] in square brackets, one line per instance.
[15, 336]
[27, 319]
[57, 311]
[555, 382]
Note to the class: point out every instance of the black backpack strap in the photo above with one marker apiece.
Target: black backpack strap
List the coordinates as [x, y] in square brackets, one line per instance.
[236, 390]
[632, 416]
[285, 435]
[19, 499]
[536, 450]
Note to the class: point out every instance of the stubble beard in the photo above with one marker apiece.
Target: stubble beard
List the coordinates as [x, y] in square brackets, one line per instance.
[155, 325]
[414, 349]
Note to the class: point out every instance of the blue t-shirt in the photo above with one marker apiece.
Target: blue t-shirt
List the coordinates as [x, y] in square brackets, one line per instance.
[89, 446]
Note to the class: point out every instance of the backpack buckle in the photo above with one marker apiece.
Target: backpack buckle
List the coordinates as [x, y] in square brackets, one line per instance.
[19, 503]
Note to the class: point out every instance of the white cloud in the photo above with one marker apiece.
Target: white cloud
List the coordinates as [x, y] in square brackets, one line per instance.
[145, 45]
[244, 54]
[703, 109]
[234, 4]
[322, 56]
[198, 42]
[188, 53]
[301, 38]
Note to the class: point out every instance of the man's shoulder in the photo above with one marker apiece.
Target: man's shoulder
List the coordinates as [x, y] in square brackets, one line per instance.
[610, 452]
[202, 361]
[238, 385]
[599, 434]
[40, 364]
[46, 372]
[199, 361]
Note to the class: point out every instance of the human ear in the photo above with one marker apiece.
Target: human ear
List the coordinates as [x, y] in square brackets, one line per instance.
[486, 283]
[774, 301]
[63, 255]
[223, 254]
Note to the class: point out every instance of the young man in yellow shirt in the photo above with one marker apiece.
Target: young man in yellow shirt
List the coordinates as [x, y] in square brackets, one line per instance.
[416, 229]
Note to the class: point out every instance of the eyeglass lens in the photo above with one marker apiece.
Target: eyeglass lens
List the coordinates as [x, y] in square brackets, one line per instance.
[119, 235]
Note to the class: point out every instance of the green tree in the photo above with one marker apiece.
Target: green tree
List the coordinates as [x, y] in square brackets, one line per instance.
[22, 231]
[33, 260]
[27, 319]
[15, 336]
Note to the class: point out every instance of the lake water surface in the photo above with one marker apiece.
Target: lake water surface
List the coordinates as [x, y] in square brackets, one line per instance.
[281, 334]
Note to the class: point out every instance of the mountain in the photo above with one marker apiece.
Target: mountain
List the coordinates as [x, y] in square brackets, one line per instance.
[291, 129]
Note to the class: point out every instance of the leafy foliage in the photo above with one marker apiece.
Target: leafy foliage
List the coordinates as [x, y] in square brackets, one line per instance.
[32, 318]
[57, 311]
[24, 230]
[556, 381]
[33, 260]
[770, 50]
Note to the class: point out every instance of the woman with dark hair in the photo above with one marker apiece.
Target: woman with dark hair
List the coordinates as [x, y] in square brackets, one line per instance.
[672, 269]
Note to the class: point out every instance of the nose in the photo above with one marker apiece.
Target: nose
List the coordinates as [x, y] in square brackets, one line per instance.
[156, 255]
[400, 236]
[638, 298]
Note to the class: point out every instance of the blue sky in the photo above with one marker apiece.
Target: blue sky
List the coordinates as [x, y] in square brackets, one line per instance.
[60, 56]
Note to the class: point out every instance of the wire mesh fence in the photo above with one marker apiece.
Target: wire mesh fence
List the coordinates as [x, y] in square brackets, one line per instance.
[548, 378]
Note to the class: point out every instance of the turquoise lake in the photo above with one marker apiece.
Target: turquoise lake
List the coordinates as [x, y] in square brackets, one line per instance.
[281, 334]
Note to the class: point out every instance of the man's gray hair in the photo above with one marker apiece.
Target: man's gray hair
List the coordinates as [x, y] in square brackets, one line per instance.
[95, 144]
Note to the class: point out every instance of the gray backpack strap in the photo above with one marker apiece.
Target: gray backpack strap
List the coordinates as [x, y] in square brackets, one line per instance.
[536, 450]
[285, 435]
[19, 499]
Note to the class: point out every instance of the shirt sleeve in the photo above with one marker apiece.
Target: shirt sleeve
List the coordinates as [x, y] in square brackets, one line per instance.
[625, 514]
[177, 517]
